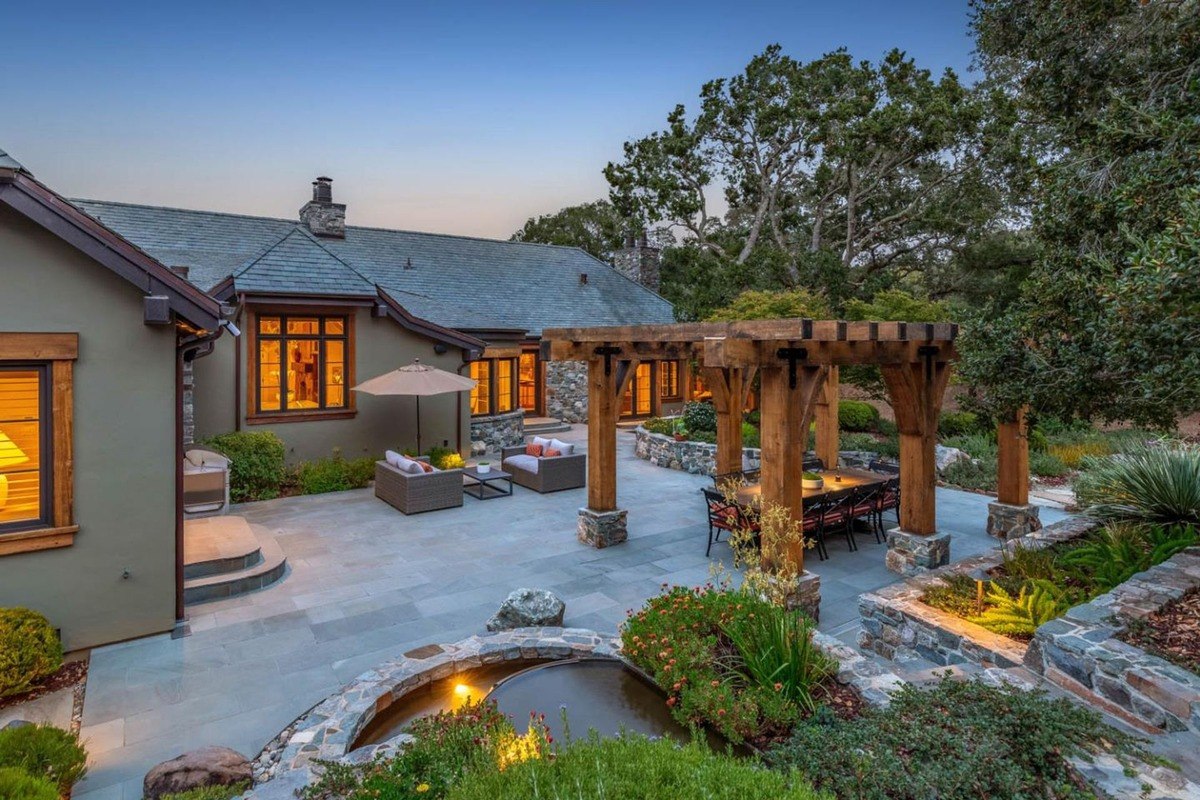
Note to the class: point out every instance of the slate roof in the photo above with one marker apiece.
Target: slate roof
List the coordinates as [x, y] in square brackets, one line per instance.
[8, 162]
[454, 281]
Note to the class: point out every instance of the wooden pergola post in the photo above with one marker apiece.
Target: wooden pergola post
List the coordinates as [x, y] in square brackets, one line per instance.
[1012, 516]
[602, 524]
[827, 420]
[729, 386]
[916, 390]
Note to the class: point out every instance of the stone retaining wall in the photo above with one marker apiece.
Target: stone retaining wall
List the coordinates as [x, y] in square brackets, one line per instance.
[567, 390]
[897, 624]
[698, 458]
[1080, 651]
[497, 431]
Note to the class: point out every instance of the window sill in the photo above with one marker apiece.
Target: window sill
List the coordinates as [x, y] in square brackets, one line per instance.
[300, 416]
[40, 539]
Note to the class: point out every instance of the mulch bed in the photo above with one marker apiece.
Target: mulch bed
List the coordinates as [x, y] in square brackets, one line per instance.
[1172, 632]
[69, 674]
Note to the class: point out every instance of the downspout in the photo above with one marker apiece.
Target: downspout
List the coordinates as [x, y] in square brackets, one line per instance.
[186, 349]
[458, 410]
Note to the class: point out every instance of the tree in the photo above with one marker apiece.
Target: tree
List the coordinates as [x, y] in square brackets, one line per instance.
[1108, 92]
[889, 305]
[594, 227]
[754, 304]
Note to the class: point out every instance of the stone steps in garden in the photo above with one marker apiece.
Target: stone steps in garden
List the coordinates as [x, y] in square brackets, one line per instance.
[540, 426]
[270, 567]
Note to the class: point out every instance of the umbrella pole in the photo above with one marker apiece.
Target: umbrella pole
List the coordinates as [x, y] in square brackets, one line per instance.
[418, 425]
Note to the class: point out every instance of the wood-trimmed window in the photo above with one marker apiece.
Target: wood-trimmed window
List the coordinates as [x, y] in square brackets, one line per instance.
[496, 386]
[668, 380]
[36, 461]
[301, 365]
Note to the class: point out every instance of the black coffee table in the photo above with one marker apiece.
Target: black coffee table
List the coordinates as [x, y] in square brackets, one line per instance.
[489, 480]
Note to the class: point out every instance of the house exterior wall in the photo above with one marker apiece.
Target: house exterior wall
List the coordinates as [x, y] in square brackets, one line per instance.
[124, 445]
[380, 423]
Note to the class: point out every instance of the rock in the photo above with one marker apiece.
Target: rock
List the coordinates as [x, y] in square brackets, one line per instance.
[17, 723]
[945, 456]
[528, 608]
[208, 766]
[478, 448]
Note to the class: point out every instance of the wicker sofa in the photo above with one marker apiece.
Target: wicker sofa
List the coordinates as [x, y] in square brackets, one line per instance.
[553, 474]
[413, 494]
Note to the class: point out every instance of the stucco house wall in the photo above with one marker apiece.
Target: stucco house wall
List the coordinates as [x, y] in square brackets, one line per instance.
[124, 445]
[381, 423]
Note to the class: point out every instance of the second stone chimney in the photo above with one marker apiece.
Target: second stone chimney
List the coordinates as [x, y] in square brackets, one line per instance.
[323, 216]
[639, 260]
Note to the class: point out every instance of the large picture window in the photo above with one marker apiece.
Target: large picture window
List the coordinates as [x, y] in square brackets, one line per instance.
[495, 389]
[25, 460]
[302, 363]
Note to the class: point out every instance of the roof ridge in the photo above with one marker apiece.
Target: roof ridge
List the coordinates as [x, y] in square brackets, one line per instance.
[74, 200]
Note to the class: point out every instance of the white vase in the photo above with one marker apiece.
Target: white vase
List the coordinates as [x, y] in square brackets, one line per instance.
[483, 469]
[819, 483]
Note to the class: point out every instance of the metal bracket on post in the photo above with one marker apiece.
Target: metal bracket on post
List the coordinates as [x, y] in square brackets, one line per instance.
[928, 352]
[608, 352]
[793, 355]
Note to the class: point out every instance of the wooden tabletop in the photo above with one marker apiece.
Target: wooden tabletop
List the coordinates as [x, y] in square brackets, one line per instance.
[850, 478]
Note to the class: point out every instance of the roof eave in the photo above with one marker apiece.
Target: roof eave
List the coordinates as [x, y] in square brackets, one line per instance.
[423, 326]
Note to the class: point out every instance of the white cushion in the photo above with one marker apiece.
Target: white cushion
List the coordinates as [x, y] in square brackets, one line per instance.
[562, 447]
[393, 458]
[523, 461]
[543, 442]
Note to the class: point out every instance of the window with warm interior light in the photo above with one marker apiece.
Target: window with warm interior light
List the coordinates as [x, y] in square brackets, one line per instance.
[504, 385]
[496, 386]
[668, 380]
[25, 478]
[302, 363]
[481, 395]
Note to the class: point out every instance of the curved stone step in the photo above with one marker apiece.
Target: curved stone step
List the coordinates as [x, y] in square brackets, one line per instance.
[270, 568]
[217, 566]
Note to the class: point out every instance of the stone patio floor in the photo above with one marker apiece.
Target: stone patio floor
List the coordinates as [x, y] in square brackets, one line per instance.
[366, 583]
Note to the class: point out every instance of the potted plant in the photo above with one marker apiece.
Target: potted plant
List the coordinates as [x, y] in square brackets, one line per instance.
[483, 467]
[811, 480]
[680, 432]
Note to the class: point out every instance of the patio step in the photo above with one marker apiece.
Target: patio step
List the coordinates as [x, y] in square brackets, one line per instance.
[269, 568]
[539, 426]
[226, 564]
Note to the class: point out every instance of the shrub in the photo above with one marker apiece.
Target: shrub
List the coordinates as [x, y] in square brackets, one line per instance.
[856, 415]
[16, 784]
[958, 739]
[957, 595]
[776, 649]
[1154, 484]
[660, 425]
[958, 423]
[1046, 465]
[754, 418]
[45, 752]
[323, 475]
[209, 793]
[1037, 602]
[976, 445]
[446, 745]
[29, 650]
[257, 469]
[1074, 453]
[361, 471]
[1121, 551]
[978, 475]
[634, 768]
[708, 437]
[700, 417]
[750, 436]
[862, 442]
[1038, 443]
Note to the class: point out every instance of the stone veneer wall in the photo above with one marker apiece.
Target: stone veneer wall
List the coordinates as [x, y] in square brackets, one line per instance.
[896, 624]
[497, 431]
[1080, 650]
[189, 404]
[698, 458]
[567, 390]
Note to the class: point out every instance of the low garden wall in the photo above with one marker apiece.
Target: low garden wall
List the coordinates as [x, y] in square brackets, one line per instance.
[497, 431]
[698, 458]
[1080, 650]
[897, 624]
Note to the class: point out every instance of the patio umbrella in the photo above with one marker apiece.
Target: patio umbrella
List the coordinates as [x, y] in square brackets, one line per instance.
[416, 380]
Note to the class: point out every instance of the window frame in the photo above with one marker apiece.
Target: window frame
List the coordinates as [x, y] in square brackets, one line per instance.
[494, 386]
[45, 421]
[54, 354]
[674, 367]
[255, 414]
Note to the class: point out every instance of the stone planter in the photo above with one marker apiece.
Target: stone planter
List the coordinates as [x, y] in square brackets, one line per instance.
[698, 458]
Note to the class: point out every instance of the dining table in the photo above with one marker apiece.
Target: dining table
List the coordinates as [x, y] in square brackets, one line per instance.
[833, 480]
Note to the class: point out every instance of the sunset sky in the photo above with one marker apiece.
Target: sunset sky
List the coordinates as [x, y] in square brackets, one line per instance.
[451, 117]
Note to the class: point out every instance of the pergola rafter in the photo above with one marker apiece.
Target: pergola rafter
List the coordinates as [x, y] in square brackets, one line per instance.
[797, 363]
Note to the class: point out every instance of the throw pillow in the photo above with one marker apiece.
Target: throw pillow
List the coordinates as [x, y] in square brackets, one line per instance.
[543, 443]
[551, 453]
[393, 458]
[533, 450]
[425, 466]
[562, 447]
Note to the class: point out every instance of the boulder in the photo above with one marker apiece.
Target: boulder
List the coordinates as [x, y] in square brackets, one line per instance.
[528, 608]
[479, 448]
[208, 766]
[945, 456]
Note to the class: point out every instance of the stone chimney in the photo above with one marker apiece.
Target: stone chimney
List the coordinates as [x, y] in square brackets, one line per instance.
[639, 260]
[323, 216]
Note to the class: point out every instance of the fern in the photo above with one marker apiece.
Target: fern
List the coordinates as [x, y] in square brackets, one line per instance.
[1038, 601]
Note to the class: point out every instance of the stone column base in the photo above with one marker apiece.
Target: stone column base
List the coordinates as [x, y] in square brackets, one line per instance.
[912, 553]
[602, 528]
[1012, 522]
[807, 595]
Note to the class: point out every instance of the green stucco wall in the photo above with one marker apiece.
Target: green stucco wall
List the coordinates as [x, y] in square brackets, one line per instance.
[124, 445]
[381, 423]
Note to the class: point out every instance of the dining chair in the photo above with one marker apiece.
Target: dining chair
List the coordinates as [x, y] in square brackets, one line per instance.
[887, 499]
[866, 504]
[724, 515]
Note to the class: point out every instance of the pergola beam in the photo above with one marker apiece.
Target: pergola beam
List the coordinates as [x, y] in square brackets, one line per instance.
[742, 352]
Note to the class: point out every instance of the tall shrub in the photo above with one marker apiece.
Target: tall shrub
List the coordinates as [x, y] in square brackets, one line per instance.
[1151, 483]
[257, 463]
[29, 650]
[856, 415]
[44, 752]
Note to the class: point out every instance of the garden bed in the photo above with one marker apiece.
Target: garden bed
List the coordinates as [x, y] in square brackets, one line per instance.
[1172, 633]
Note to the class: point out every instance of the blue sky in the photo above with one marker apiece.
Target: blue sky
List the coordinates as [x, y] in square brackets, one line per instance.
[453, 117]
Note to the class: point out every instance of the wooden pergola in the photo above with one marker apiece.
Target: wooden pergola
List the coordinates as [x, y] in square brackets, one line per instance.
[797, 363]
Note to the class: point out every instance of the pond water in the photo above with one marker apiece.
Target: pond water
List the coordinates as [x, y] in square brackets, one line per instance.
[595, 694]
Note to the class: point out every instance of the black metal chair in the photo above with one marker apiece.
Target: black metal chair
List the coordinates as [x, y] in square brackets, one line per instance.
[813, 464]
[887, 499]
[866, 504]
[723, 515]
[817, 513]
[739, 478]
[839, 518]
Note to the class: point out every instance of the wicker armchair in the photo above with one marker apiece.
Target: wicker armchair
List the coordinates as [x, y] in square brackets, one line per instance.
[554, 474]
[412, 494]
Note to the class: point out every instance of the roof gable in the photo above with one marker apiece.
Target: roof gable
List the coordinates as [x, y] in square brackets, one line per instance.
[298, 264]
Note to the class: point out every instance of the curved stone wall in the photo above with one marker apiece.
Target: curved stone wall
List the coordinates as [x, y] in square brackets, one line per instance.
[698, 458]
[497, 431]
